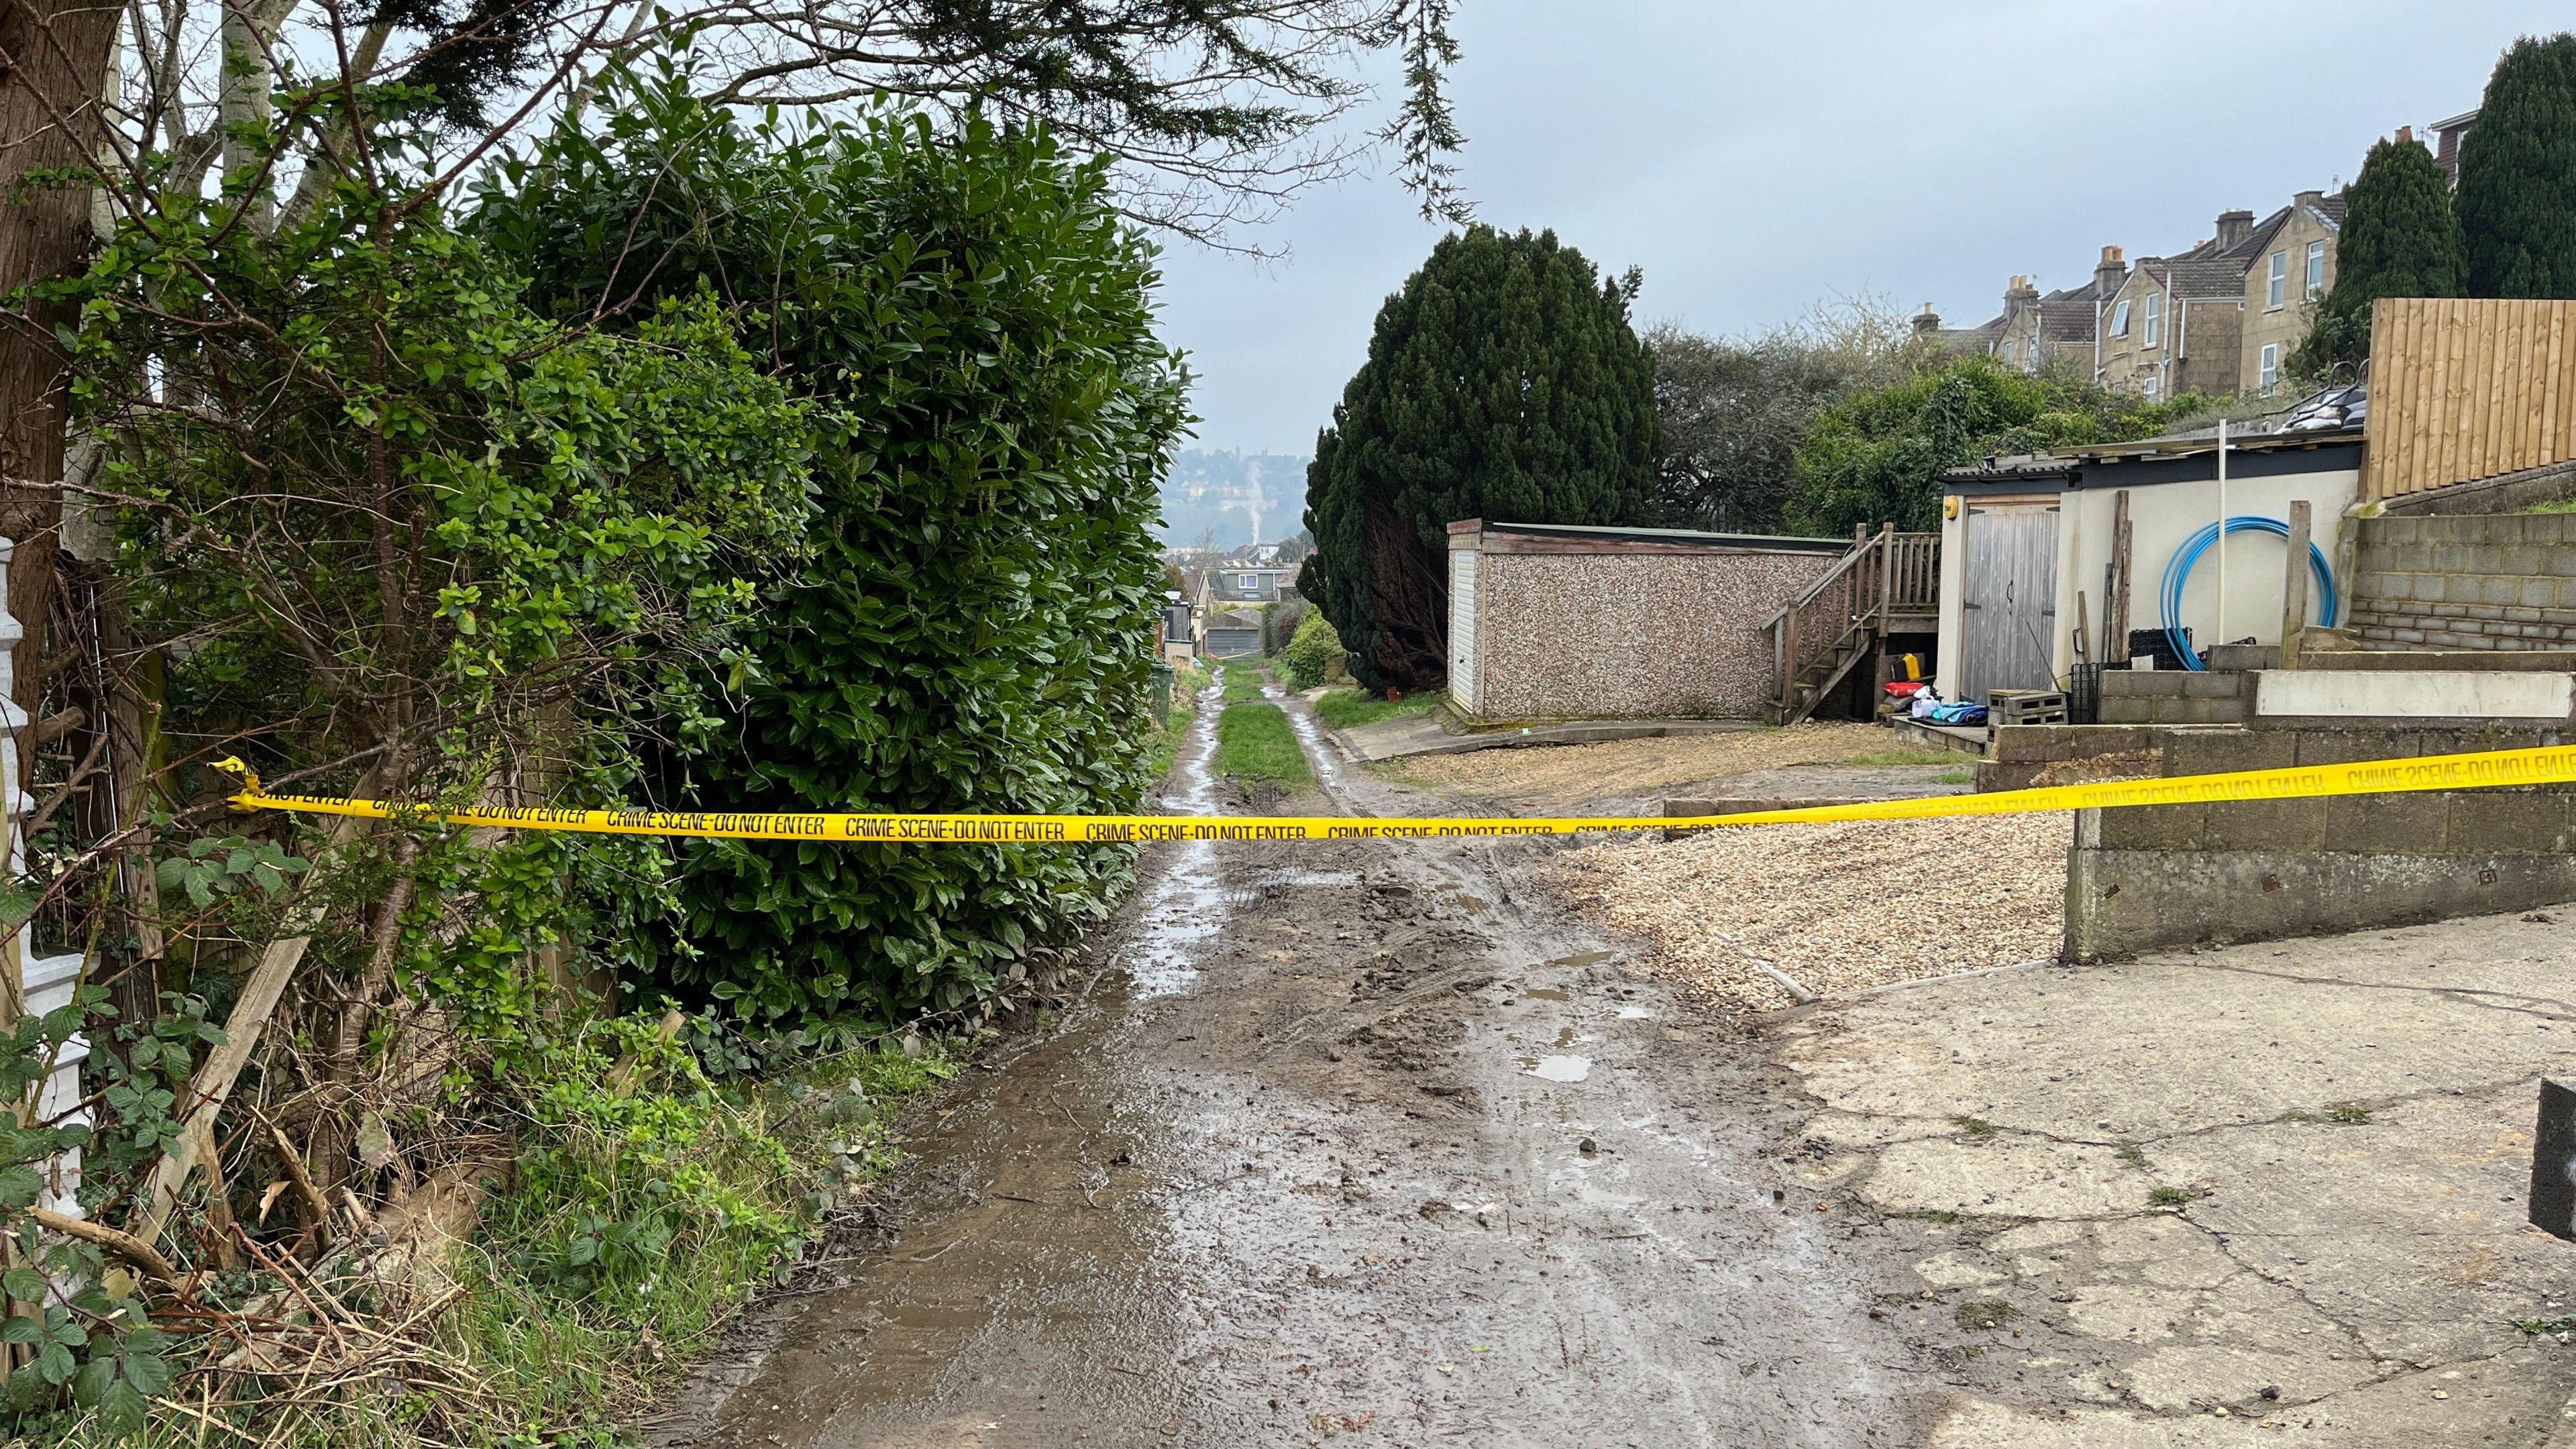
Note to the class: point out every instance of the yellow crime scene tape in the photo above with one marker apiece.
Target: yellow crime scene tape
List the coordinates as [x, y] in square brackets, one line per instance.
[2501, 768]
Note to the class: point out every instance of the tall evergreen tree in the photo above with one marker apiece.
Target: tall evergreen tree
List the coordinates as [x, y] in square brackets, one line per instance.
[2518, 175]
[1503, 382]
[2401, 238]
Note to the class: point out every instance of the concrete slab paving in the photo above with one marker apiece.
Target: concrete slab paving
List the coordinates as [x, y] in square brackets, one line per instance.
[2270, 1194]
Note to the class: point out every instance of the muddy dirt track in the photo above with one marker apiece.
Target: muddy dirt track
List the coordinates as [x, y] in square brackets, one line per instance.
[1359, 1140]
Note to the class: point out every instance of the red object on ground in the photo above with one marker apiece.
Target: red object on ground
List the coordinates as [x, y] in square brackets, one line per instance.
[1395, 696]
[1905, 689]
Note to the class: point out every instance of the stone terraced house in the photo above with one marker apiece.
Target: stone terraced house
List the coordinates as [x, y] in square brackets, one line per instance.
[2222, 317]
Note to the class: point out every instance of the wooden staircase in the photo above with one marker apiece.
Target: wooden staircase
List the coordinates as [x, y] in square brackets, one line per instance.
[1890, 583]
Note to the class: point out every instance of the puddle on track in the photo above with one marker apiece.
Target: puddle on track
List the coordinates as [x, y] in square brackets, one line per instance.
[1299, 876]
[1035, 1224]
[1560, 1069]
[1184, 907]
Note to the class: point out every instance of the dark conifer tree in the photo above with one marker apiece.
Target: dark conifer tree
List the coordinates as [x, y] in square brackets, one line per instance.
[2401, 238]
[2518, 175]
[1503, 382]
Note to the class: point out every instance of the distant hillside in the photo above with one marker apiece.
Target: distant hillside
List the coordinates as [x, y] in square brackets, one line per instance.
[1241, 497]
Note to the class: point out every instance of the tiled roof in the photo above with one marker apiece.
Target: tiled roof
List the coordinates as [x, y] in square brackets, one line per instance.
[2258, 239]
[2222, 276]
[2067, 316]
[2198, 275]
[1971, 339]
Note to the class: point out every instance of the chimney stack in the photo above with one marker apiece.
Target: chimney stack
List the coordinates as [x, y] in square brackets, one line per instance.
[1928, 321]
[2234, 227]
[2111, 272]
[2405, 134]
[2019, 289]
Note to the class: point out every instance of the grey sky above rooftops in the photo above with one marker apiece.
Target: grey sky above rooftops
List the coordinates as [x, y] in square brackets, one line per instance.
[1757, 160]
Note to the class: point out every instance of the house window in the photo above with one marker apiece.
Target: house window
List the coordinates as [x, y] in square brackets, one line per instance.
[2271, 373]
[2120, 318]
[2278, 290]
[2316, 270]
[2155, 325]
[1249, 583]
[2151, 387]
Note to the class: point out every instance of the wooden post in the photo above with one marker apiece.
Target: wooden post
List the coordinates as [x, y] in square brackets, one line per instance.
[2115, 597]
[1886, 573]
[1780, 656]
[2294, 587]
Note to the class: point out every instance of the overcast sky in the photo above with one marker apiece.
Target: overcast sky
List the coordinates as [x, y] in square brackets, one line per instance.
[1756, 159]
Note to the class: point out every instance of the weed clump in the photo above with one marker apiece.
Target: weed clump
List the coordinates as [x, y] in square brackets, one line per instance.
[1984, 1313]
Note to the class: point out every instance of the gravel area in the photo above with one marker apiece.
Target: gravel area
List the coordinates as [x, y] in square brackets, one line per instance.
[1839, 907]
[1559, 774]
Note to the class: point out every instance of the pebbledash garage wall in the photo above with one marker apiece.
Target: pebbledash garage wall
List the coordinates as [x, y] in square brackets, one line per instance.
[1556, 621]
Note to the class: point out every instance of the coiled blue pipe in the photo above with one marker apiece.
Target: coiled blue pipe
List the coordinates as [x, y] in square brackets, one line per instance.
[2178, 573]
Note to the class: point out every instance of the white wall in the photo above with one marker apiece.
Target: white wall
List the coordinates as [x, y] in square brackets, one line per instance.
[1954, 596]
[2161, 517]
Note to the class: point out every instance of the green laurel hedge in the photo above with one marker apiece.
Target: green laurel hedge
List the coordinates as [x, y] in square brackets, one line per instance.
[974, 629]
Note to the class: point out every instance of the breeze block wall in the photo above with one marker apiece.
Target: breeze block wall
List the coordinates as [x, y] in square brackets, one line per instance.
[2465, 581]
[2169, 875]
[1630, 635]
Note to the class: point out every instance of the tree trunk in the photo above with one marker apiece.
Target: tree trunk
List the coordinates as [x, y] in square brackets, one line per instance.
[242, 109]
[54, 58]
[118, 687]
[1409, 599]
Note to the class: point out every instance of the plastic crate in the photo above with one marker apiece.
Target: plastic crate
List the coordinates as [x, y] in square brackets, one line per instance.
[2084, 694]
[2159, 645]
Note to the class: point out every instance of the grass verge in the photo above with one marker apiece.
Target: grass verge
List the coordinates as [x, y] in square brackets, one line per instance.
[1243, 682]
[1343, 708]
[1163, 741]
[638, 1223]
[1910, 757]
[1254, 742]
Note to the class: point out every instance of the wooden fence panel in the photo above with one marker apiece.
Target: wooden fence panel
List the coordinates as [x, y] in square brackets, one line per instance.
[2464, 389]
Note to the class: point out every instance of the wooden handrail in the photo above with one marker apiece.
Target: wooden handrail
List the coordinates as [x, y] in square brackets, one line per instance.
[1842, 566]
[1884, 573]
